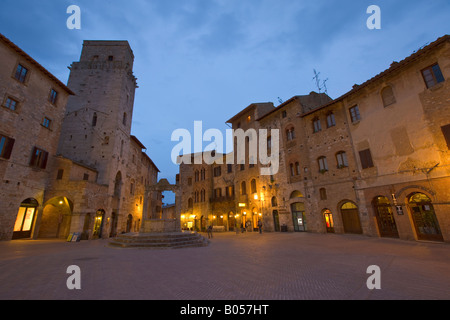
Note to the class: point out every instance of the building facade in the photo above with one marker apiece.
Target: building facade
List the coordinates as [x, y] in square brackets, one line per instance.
[374, 161]
[33, 103]
[85, 172]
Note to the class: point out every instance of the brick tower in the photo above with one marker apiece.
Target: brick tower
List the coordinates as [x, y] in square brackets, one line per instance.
[97, 126]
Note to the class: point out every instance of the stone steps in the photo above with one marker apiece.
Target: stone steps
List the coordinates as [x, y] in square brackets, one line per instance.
[173, 240]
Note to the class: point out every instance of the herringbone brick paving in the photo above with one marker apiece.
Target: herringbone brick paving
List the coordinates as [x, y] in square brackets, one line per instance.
[250, 266]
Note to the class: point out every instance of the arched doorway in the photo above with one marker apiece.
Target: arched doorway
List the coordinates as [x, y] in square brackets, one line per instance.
[276, 220]
[298, 216]
[114, 220]
[56, 218]
[350, 218]
[329, 223]
[385, 217]
[25, 219]
[98, 224]
[231, 221]
[424, 217]
[202, 223]
[86, 227]
[129, 223]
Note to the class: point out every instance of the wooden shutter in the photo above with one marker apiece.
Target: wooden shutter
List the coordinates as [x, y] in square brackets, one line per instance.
[446, 133]
[366, 159]
[8, 148]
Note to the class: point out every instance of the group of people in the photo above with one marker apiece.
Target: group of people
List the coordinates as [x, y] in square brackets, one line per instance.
[209, 230]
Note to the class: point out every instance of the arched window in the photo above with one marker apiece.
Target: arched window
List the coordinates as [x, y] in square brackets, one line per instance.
[316, 125]
[117, 184]
[296, 194]
[197, 175]
[124, 119]
[274, 202]
[253, 186]
[243, 188]
[387, 94]
[323, 193]
[190, 203]
[290, 134]
[94, 119]
[331, 122]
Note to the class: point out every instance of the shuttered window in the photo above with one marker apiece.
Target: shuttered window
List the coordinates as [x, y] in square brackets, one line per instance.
[39, 158]
[6, 145]
[432, 75]
[446, 132]
[366, 159]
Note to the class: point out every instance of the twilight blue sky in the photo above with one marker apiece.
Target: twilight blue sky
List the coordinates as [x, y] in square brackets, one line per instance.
[208, 59]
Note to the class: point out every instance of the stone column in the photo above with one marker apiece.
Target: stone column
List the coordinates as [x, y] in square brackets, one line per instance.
[144, 210]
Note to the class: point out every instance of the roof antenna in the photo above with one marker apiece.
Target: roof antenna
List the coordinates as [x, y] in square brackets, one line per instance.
[320, 85]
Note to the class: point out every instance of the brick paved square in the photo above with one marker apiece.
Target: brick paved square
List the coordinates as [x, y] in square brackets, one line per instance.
[249, 266]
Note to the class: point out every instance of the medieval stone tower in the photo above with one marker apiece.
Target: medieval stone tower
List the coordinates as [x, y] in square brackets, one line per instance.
[97, 126]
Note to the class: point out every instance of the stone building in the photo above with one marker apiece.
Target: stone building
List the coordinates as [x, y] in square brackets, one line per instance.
[96, 135]
[33, 103]
[374, 161]
[84, 171]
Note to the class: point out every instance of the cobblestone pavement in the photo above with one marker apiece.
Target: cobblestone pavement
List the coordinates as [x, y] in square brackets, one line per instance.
[251, 266]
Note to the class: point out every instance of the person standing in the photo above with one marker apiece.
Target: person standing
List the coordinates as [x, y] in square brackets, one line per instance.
[209, 230]
[260, 226]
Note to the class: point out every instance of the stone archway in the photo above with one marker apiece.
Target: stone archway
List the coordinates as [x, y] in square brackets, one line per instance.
[56, 218]
[424, 217]
[149, 224]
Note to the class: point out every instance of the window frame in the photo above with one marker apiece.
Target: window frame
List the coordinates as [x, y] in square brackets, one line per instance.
[331, 120]
[53, 96]
[22, 78]
[355, 114]
[6, 146]
[389, 100]
[317, 126]
[433, 74]
[8, 105]
[47, 123]
[366, 159]
[341, 159]
[446, 132]
[39, 158]
[323, 164]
